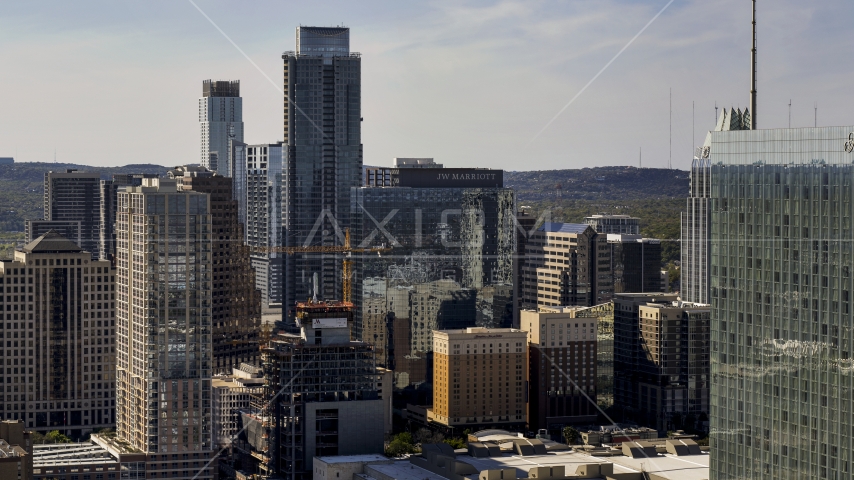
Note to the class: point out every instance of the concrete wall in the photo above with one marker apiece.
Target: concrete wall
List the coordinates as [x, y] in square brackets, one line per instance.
[360, 426]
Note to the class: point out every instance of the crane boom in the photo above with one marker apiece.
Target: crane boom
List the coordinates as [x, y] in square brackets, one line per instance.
[347, 269]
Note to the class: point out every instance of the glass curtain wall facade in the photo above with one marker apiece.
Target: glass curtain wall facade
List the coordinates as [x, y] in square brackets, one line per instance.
[450, 267]
[322, 158]
[781, 317]
[696, 235]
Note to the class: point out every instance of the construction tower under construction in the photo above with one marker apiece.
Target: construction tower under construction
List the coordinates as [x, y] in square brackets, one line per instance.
[322, 397]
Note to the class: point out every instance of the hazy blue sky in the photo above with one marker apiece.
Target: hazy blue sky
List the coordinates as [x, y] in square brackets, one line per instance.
[470, 83]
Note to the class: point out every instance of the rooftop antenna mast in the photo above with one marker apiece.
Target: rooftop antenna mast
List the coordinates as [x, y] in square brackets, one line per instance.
[816, 114]
[753, 74]
[790, 113]
[670, 160]
[716, 111]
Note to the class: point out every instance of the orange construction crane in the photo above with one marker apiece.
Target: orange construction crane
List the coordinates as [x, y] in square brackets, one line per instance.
[347, 271]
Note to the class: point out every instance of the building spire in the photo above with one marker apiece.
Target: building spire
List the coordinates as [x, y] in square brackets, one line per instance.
[753, 74]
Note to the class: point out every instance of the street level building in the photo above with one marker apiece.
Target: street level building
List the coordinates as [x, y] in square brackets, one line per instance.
[75, 196]
[322, 151]
[164, 316]
[16, 452]
[479, 378]
[221, 121]
[58, 331]
[562, 368]
[661, 360]
[236, 303]
[781, 282]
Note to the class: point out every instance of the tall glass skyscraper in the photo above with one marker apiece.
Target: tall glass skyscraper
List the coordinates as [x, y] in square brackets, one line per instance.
[452, 234]
[322, 153]
[781, 317]
[221, 121]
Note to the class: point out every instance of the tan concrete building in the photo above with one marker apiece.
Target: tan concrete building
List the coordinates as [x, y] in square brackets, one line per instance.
[57, 338]
[562, 367]
[164, 351]
[479, 378]
[566, 264]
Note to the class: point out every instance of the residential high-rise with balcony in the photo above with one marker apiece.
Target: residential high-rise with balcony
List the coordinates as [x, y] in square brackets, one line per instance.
[781, 282]
[164, 349]
[57, 314]
[261, 211]
[221, 119]
[75, 196]
[322, 157]
[661, 360]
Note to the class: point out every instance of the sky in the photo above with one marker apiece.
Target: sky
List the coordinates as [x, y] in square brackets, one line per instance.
[469, 83]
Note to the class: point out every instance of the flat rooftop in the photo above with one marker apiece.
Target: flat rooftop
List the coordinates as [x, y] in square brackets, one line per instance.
[69, 454]
[693, 467]
[354, 458]
[402, 471]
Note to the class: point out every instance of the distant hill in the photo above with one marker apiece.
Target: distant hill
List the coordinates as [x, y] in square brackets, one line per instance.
[582, 191]
[599, 183]
[22, 188]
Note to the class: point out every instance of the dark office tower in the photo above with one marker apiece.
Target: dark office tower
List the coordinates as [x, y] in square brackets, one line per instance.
[635, 263]
[108, 193]
[661, 360]
[236, 301]
[524, 229]
[781, 283]
[75, 196]
[453, 240]
[322, 157]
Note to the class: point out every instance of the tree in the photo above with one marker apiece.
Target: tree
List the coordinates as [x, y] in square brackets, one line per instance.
[400, 445]
[456, 442]
[56, 437]
[570, 435]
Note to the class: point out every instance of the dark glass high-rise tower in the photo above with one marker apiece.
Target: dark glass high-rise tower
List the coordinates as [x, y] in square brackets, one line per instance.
[322, 153]
[781, 319]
